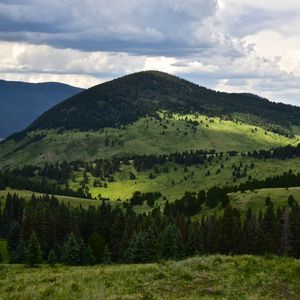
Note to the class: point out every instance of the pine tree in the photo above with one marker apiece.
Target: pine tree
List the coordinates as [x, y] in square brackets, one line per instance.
[194, 244]
[107, 256]
[117, 238]
[227, 234]
[142, 247]
[97, 244]
[33, 253]
[285, 233]
[71, 251]
[88, 257]
[295, 230]
[269, 225]
[52, 259]
[18, 256]
[14, 237]
[170, 243]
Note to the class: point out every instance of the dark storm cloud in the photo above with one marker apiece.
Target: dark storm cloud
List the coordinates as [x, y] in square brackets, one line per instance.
[139, 26]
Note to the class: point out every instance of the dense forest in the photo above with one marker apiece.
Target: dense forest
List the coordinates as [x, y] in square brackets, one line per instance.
[42, 229]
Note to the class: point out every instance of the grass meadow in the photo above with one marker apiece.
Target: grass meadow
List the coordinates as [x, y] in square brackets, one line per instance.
[204, 277]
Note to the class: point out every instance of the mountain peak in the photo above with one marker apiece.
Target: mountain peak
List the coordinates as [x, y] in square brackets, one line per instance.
[126, 99]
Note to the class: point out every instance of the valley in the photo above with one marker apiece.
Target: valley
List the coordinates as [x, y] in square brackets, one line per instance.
[147, 180]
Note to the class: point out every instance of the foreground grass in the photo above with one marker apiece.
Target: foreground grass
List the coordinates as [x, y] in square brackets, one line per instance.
[207, 277]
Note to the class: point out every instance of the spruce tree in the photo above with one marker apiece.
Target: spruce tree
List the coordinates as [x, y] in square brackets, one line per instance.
[71, 251]
[269, 226]
[97, 244]
[18, 256]
[33, 253]
[295, 230]
[14, 237]
[285, 233]
[194, 244]
[88, 256]
[107, 256]
[170, 242]
[52, 259]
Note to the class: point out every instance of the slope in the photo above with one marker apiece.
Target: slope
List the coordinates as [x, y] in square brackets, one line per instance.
[125, 100]
[145, 136]
[21, 103]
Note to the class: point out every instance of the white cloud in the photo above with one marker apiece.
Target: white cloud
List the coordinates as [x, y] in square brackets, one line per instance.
[231, 45]
[135, 26]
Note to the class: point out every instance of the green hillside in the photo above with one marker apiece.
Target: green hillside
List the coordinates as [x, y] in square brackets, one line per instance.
[178, 179]
[256, 199]
[151, 113]
[206, 277]
[169, 133]
[73, 201]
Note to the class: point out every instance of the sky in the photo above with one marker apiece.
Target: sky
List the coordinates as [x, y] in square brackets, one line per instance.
[228, 45]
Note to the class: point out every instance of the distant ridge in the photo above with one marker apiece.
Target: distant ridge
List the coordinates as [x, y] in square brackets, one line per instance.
[21, 102]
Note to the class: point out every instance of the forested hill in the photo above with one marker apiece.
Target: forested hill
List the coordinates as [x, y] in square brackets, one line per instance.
[21, 103]
[125, 100]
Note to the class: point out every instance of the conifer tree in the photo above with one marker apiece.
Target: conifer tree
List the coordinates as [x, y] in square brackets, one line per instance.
[117, 241]
[33, 253]
[18, 256]
[269, 226]
[142, 248]
[284, 233]
[295, 230]
[14, 237]
[107, 256]
[71, 251]
[97, 244]
[52, 259]
[88, 257]
[194, 244]
[170, 243]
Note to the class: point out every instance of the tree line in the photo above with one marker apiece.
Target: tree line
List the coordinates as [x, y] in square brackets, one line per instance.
[285, 152]
[42, 229]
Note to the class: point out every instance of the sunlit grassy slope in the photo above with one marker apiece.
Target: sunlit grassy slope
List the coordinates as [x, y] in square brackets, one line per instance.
[72, 201]
[256, 199]
[174, 183]
[146, 136]
[242, 200]
[207, 277]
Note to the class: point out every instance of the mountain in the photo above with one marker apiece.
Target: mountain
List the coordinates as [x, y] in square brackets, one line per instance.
[151, 113]
[21, 103]
[125, 100]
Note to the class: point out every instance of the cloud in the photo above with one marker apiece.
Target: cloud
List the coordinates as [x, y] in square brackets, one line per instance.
[231, 45]
[137, 26]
